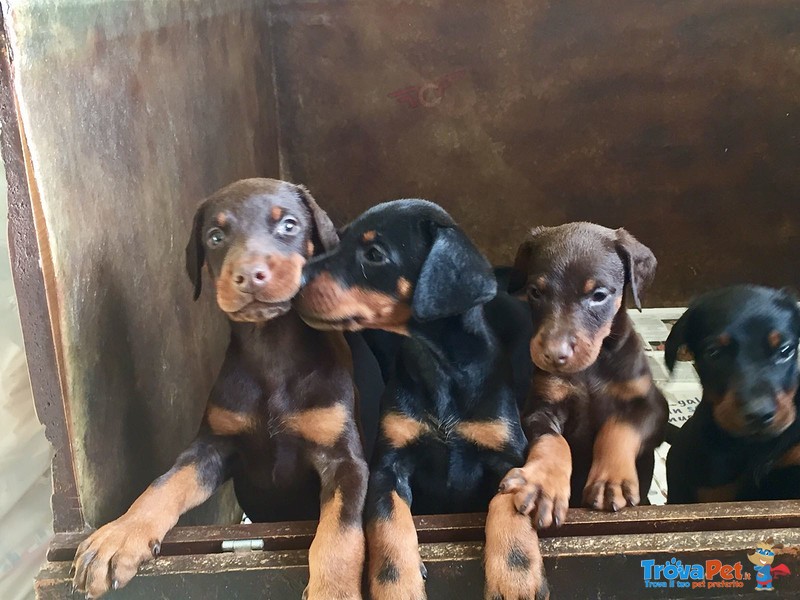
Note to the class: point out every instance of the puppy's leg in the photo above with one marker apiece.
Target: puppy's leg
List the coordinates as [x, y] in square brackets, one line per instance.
[613, 481]
[336, 556]
[110, 557]
[514, 567]
[396, 571]
[541, 487]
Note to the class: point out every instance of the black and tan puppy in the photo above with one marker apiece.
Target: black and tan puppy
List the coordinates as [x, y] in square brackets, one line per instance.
[280, 417]
[450, 425]
[593, 415]
[743, 441]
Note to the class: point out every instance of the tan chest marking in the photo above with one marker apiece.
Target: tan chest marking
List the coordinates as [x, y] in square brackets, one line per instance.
[554, 389]
[401, 430]
[630, 389]
[323, 426]
[791, 458]
[227, 422]
[493, 435]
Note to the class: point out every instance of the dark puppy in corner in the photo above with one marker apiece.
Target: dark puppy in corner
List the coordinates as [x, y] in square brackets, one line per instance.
[280, 419]
[743, 441]
[594, 416]
[450, 425]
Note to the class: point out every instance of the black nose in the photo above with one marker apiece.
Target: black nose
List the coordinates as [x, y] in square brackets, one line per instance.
[761, 415]
[250, 277]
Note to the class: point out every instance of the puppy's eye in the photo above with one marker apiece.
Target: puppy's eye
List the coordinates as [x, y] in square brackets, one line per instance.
[785, 353]
[599, 296]
[375, 255]
[288, 226]
[534, 293]
[215, 237]
[714, 352]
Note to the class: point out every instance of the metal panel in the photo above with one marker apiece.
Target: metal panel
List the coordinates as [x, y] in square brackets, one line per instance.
[677, 120]
[130, 113]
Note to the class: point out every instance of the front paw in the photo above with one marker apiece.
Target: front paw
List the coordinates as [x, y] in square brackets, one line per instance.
[513, 561]
[110, 557]
[398, 580]
[541, 489]
[612, 489]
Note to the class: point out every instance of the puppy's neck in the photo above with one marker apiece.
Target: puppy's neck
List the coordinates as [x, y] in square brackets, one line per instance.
[281, 334]
[458, 339]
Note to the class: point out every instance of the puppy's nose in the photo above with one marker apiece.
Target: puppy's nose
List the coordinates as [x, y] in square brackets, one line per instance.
[251, 277]
[560, 351]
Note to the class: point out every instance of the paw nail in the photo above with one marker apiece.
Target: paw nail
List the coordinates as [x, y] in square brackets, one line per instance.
[115, 584]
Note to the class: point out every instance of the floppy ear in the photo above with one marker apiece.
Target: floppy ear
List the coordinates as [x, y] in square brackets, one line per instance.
[196, 252]
[640, 264]
[519, 273]
[324, 236]
[455, 277]
[788, 299]
[676, 339]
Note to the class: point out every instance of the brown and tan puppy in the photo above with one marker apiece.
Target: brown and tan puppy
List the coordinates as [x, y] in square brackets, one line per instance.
[593, 416]
[280, 419]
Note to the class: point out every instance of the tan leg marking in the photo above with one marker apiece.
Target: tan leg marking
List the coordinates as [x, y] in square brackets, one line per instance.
[631, 389]
[541, 487]
[488, 434]
[336, 556]
[323, 426]
[394, 561]
[613, 481]
[109, 558]
[400, 430]
[512, 558]
[227, 422]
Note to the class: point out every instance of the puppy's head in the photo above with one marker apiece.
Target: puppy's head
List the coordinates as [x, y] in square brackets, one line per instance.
[574, 277]
[744, 341]
[398, 262]
[254, 236]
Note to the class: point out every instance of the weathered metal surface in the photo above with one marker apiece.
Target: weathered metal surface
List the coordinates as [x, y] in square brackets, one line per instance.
[678, 120]
[601, 567]
[129, 113]
[470, 527]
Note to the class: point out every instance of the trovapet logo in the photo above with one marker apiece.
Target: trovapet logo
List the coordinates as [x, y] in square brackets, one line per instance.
[709, 574]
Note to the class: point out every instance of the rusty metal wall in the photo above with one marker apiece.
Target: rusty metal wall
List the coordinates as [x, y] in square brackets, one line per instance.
[677, 120]
[130, 113]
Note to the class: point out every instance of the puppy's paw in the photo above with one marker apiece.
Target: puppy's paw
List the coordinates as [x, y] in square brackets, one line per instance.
[110, 557]
[398, 580]
[612, 490]
[540, 489]
[514, 567]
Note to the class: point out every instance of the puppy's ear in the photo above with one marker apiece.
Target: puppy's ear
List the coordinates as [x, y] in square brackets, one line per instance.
[455, 277]
[324, 236]
[640, 264]
[519, 272]
[677, 338]
[196, 252]
[787, 298]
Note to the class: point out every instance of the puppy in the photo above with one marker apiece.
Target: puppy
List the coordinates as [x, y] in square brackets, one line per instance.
[280, 419]
[594, 416]
[450, 425]
[743, 441]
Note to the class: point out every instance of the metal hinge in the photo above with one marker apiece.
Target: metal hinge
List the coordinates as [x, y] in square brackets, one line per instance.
[242, 545]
